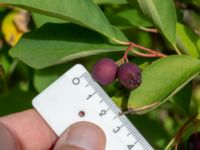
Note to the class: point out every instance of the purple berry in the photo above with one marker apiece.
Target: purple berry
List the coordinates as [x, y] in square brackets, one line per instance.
[104, 71]
[194, 141]
[129, 75]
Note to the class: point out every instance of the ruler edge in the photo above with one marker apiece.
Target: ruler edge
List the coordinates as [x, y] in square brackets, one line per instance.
[139, 135]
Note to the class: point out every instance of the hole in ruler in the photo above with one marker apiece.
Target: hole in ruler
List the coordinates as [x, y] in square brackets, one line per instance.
[81, 113]
[76, 81]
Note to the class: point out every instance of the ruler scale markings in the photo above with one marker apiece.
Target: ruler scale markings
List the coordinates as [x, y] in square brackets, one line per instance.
[132, 146]
[123, 119]
[118, 128]
[104, 95]
[96, 88]
[88, 78]
[87, 85]
[104, 112]
[90, 95]
[91, 82]
[94, 85]
[129, 127]
[84, 74]
[102, 100]
[135, 134]
[101, 94]
[138, 136]
[129, 133]
[111, 104]
[118, 115]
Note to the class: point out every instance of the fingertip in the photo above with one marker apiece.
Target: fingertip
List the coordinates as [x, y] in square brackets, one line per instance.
[83, 135]
[30, 129]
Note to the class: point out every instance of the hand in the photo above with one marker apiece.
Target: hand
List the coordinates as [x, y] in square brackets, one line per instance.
[28, 131]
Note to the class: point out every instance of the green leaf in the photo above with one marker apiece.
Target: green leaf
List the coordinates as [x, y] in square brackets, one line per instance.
[163, 14]
[157, 139]
[15, 100]
[110, 1]
[161, 80]
[58, 43]
[40, 19]
[135, 17]
[118, 100]
[84, 13]
[183, 98]
[44, 77]
[128, 18]
[187, 40]
[196, 2]
[196, 97]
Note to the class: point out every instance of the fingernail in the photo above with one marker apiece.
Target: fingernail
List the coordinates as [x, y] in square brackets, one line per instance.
[86, 136]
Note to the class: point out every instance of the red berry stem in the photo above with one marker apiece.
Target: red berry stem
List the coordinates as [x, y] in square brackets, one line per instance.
[121, 61]
[156, 54]
[131, 45]
[125, 57]
[144, 55]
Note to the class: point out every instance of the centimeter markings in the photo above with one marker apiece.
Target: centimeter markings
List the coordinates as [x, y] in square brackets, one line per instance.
[125, 122]
[102, 94]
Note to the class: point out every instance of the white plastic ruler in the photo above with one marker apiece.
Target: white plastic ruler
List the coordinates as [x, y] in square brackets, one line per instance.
[75, 97]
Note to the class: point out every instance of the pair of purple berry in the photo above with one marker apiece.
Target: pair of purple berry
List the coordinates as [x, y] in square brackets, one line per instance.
[105, 71]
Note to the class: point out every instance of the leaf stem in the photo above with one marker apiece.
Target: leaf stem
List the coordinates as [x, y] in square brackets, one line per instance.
[152, 30]
[140, 110]
[121, 42]
[177, 49]
[177, 137]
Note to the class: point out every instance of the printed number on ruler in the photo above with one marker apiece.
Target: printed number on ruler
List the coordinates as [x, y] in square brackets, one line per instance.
[75, 97]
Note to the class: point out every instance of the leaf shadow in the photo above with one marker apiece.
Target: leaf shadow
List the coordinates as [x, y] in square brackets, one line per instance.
[66, 32]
